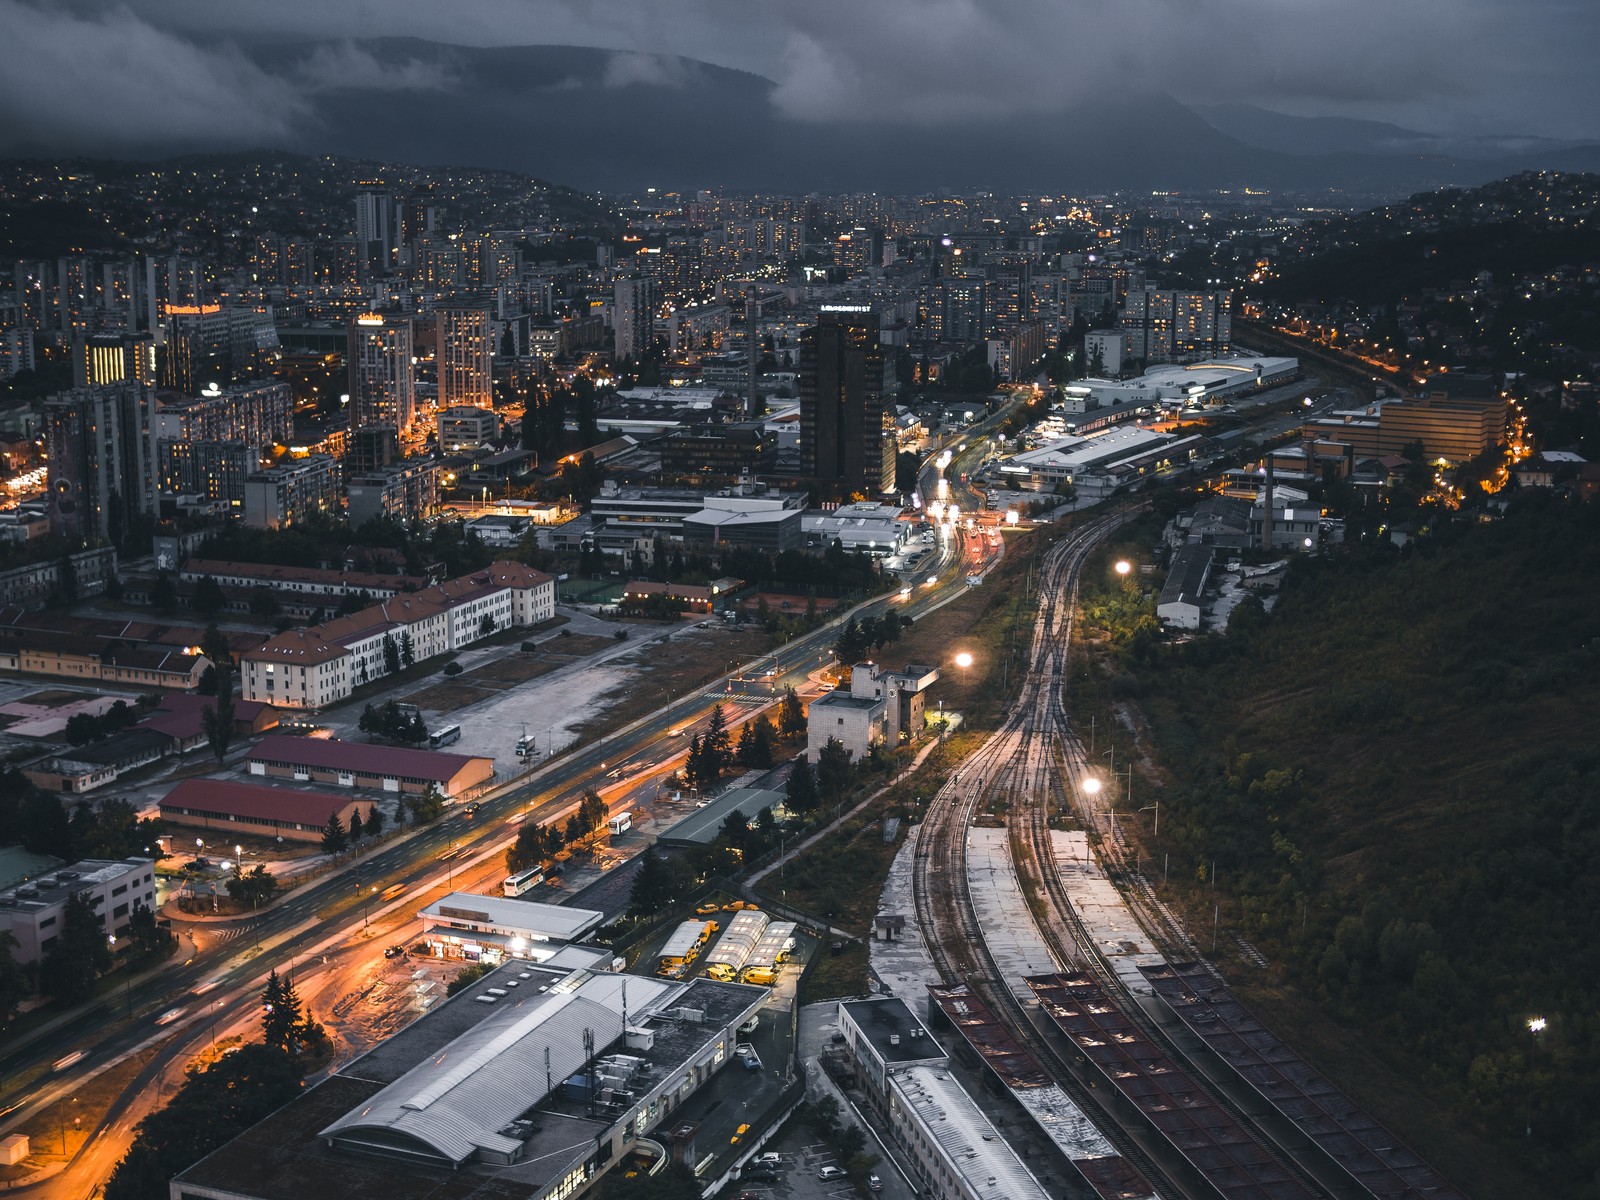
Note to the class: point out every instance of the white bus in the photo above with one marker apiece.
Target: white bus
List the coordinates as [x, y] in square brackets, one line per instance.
[523, 881]
[621, 823]
[445, 736]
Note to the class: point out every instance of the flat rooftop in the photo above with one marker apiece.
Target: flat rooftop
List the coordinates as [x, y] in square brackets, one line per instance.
[552, 922]
[893, 1029]
[968, 1140]
[701, 826]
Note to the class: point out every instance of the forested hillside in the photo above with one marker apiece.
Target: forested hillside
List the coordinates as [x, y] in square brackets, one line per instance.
[1397, 775]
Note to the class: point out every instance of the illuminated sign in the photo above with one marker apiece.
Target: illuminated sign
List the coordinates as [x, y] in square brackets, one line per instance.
[845, 308]
[369, 319]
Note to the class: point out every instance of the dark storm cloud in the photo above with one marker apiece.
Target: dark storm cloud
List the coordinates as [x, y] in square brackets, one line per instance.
[1449, 65]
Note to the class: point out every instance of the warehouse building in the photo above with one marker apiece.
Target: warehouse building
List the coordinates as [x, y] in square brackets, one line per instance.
[532, 1083]
[253, 809]
[383, 768]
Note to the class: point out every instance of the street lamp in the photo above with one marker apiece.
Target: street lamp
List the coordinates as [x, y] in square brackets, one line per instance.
[366, 904]
[1535, 1028]
[1123, 568]
[964, 660]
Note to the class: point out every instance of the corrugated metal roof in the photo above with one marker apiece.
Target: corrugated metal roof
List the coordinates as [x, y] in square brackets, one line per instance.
[462, 1099]
[330, 754]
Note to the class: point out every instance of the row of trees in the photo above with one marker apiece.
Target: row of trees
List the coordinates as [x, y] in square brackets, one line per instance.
[336, 838]
[35, 819]
[537, 844]
[873, 633]
[393, 723]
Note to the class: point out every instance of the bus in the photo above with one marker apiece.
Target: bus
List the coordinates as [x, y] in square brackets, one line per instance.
[621, 823]
[523, 881]
[445, 737]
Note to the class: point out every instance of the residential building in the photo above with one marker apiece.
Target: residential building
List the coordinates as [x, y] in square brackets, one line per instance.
[301, 581]
[292, 491]
[1174, 326]
[101, 447]
[81, 573]
[465, 428]
[33, 911]
[846, 419]
[259, 414]
[633, 315]
[465, 356]
[1103, 350]
[406, 492]
[312, 668]
[382, 382]
[102, 358]
[217, 471]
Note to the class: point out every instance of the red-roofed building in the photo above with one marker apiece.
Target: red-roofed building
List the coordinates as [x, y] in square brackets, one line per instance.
[312, 668]
[357, 764]
[236, 809]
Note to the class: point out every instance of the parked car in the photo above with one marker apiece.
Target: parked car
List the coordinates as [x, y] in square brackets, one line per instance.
[830, 1173]
[394, 951]
[874, 1183]
[770, 1159]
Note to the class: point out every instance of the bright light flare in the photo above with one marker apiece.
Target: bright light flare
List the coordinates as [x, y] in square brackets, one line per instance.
[1123, 567]
[1091, 785]
[963, 660]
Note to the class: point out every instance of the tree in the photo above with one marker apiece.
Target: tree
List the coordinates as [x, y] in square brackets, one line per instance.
[144, 934]
[374, 821]
[370, 721]
[207, 598]
[357, 829]
[13, 979]
[466, 977]
[408, 651]
[800, 793]
[215, 1103]
[654, 887]
[715, 744]
[163, 593]
[254, 887]
[264, 602]
[486, 626]
[761, 744]
[391, 654]
[217, 719]
[215, 647]
[833, 769]
[791, 715]
[281, 1018]
[528, 850]
[41, 822]
[747, 737]
[334, 838]
[81, 954]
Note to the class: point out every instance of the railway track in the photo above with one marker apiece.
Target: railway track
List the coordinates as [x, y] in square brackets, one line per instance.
[1033, 760]
[1017, 760]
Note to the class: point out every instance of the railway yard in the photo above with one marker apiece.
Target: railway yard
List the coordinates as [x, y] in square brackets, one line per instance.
[1049, 953]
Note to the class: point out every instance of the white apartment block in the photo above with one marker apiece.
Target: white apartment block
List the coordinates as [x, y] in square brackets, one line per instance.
[312, 668]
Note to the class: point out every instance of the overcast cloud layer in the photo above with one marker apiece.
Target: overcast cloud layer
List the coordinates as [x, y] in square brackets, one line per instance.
[95, 76]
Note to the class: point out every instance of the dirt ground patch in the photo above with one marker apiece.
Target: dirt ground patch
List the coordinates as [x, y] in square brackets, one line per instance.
[59, 1131]
[570, 649]
[676, 666]
[505, 673]
[513, 669]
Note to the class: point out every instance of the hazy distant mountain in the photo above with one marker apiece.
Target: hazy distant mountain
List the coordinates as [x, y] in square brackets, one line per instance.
[612, 122]
[1286, 134]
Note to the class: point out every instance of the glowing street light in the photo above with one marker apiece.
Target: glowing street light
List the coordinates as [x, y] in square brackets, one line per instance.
[963, 660]
[1091, 785]
[1123, 567]
[1535, 1028]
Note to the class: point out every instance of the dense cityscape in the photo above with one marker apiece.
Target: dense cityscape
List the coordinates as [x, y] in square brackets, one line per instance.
[518, 689]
